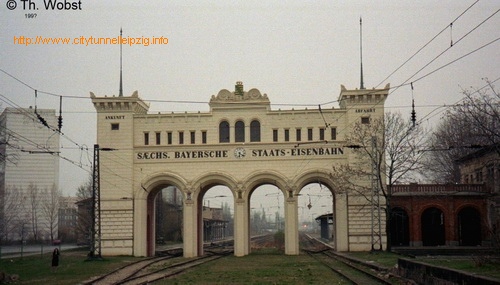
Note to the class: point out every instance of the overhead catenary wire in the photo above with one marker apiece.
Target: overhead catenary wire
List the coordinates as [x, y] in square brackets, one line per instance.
[426, 44]
[204, 102]
[447, 49]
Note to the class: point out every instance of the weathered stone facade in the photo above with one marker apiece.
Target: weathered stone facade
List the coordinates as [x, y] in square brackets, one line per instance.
[240, 143]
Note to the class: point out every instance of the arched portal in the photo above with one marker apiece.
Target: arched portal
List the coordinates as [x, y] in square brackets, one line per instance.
[267, 215]
[164, 217]
[316, 211]
[217, 215]
[168, 218]
[400, 229]
[469, 227]
[219, 184]
[433, 232]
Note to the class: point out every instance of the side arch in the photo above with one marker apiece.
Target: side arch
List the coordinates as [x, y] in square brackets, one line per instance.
[151, 182]
[204, 182]
[339, 202]
[144, 213]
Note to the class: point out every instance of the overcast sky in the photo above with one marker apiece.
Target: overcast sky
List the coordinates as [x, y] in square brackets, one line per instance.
[299, 52]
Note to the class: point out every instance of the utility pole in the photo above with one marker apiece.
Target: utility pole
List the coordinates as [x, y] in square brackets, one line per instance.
[376, 224]
[95, 243]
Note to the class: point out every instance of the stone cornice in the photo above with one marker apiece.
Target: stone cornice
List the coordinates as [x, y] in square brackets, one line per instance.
[120, 104]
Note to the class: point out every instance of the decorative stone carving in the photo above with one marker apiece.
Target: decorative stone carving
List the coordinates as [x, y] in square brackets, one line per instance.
[227, 96]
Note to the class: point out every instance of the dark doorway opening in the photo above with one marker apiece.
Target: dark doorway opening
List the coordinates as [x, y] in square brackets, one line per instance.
[400, 230]
[433, 227]
[469, 227]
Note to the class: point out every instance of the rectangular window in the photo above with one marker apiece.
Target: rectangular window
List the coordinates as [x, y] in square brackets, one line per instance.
[203, 137]
[115, 127]
[479, 176]
[365, 120]
[309, 134]
[275, 135]
[287, 135]
[181, 137]
[334, 134]
[169, 137]
[322, 134]
[146, 138]
[158, 138]
[193, 137]
[298, 134]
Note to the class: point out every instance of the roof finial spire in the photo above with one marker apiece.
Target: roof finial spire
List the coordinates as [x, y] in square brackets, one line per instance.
[120, 91]
[361, 85]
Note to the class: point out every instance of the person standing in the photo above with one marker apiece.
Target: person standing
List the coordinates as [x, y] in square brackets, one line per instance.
[55, 259]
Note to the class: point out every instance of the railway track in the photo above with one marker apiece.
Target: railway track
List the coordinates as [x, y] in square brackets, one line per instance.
[156, 268]
[348, 269]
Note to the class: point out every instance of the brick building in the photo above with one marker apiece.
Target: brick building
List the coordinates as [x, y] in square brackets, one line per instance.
[436, 214]
[464, 214]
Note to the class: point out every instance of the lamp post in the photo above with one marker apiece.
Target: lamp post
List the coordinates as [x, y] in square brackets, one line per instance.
[95, 251]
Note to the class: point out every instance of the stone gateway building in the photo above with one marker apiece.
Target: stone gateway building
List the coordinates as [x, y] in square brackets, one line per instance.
[240, 143]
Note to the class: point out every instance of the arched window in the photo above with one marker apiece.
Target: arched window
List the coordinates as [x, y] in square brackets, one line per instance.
[239, 131]
[255, 131]
[224, 132]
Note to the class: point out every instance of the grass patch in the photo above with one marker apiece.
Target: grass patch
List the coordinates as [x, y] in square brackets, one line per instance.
[487, 267]
[266, 266]
[73, 267]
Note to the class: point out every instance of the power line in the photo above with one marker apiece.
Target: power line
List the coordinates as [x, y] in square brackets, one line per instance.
[426, 44]
[447, 49]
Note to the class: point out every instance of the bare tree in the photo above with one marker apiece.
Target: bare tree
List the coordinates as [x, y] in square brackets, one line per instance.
[33, 199]
[474, 123]
[84, 191]
[84, 216]
[11, 199]
[50, 208]
[388, 153]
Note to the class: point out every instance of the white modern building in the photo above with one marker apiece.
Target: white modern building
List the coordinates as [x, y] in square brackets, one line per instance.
[29, 170]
